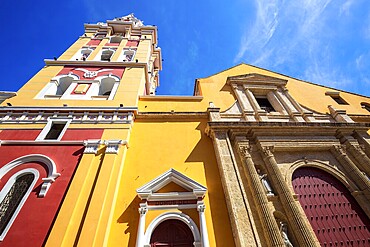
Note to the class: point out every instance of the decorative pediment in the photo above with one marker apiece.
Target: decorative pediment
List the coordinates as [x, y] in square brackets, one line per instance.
[171, 185]
[256, 79]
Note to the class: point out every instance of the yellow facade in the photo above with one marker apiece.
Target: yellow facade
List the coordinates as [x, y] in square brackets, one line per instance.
[201, 140]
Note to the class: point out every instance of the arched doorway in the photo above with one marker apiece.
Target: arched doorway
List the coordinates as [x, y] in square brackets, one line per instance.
[334, 214]
[172, 233]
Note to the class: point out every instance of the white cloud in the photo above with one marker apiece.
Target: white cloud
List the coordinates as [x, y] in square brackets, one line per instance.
[264, 27]
[345, 8]
[300, 38]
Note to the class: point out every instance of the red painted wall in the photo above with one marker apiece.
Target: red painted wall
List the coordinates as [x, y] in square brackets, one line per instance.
[94, 42]
[110, 70]
[69, 135]
[19, 134]
[35, 219]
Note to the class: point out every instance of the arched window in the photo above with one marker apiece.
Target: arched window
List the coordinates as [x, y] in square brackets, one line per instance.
[335, 216]
[106, 54]
[14, 195]
[57, 86]
[82, 54]
[106, 85]
[172, 233]
[64, 84]
[116, 39]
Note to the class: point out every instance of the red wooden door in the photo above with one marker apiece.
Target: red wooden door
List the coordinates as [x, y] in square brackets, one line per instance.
[172, 233]
[334, 214]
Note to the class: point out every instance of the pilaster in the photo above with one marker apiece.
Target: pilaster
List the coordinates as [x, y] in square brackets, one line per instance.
[296, 217]
[96, 227]
[339, 151]
[232, 186]
[71, 215]
[267, 219]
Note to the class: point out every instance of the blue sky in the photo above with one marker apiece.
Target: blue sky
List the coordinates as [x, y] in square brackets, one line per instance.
[322, 41]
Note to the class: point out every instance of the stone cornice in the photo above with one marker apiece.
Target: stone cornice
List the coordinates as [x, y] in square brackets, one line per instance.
[244, 124]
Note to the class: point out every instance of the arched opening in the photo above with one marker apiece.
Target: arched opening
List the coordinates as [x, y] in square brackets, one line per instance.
[106, 54]
[334, 214]
[172, 233]
[64, 83]
[13, 196]
[106, 86]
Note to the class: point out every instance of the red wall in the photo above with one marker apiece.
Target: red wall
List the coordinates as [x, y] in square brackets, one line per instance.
[35, 219]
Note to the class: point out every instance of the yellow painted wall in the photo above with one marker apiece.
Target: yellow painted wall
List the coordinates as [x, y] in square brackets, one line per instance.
[154, 148]
[214, 89]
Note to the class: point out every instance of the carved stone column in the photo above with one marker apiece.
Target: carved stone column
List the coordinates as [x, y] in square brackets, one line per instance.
[296, 217]
[233, 189]
[351, 169]
[360, 156]
[267, 219]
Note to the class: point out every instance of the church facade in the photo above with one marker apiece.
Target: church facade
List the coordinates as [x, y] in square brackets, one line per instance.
[92, 157]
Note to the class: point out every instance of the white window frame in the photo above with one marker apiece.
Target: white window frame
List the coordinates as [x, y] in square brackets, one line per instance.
[80, 53]
[6, 189]
[98, 56]
[54, 82]
[122, 55]
[46, 129]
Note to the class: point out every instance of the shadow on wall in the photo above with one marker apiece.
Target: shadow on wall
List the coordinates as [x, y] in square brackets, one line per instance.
[204, 152]
[131, 217]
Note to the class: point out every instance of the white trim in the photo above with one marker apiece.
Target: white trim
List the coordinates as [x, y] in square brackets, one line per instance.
[148, 191]
[113, 146]
[46, 129]
[55, 82]
[52, 170]
[91, 146]
[176, 216]
[6, 189]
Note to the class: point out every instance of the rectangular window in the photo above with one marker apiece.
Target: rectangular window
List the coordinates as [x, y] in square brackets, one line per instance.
[265, 104]
[339, 100]
[55, 131]
[336, 97]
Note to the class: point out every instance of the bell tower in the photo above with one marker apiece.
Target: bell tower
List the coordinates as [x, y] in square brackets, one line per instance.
[111, 64]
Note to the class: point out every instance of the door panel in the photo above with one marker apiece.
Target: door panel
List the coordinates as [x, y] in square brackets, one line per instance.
[172, 233]
[334, 214]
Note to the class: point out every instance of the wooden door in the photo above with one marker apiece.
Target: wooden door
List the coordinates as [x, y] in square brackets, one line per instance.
[334, 214]
[172, 233]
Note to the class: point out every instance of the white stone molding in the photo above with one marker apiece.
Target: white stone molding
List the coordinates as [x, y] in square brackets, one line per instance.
[203, 224]
[149, 190]
[143, 209]
[91, 146]
[50, 164]
[175, 216]
[52, 87]
[113, 146]
[46, 129]
[6, 189]
[93, 116]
